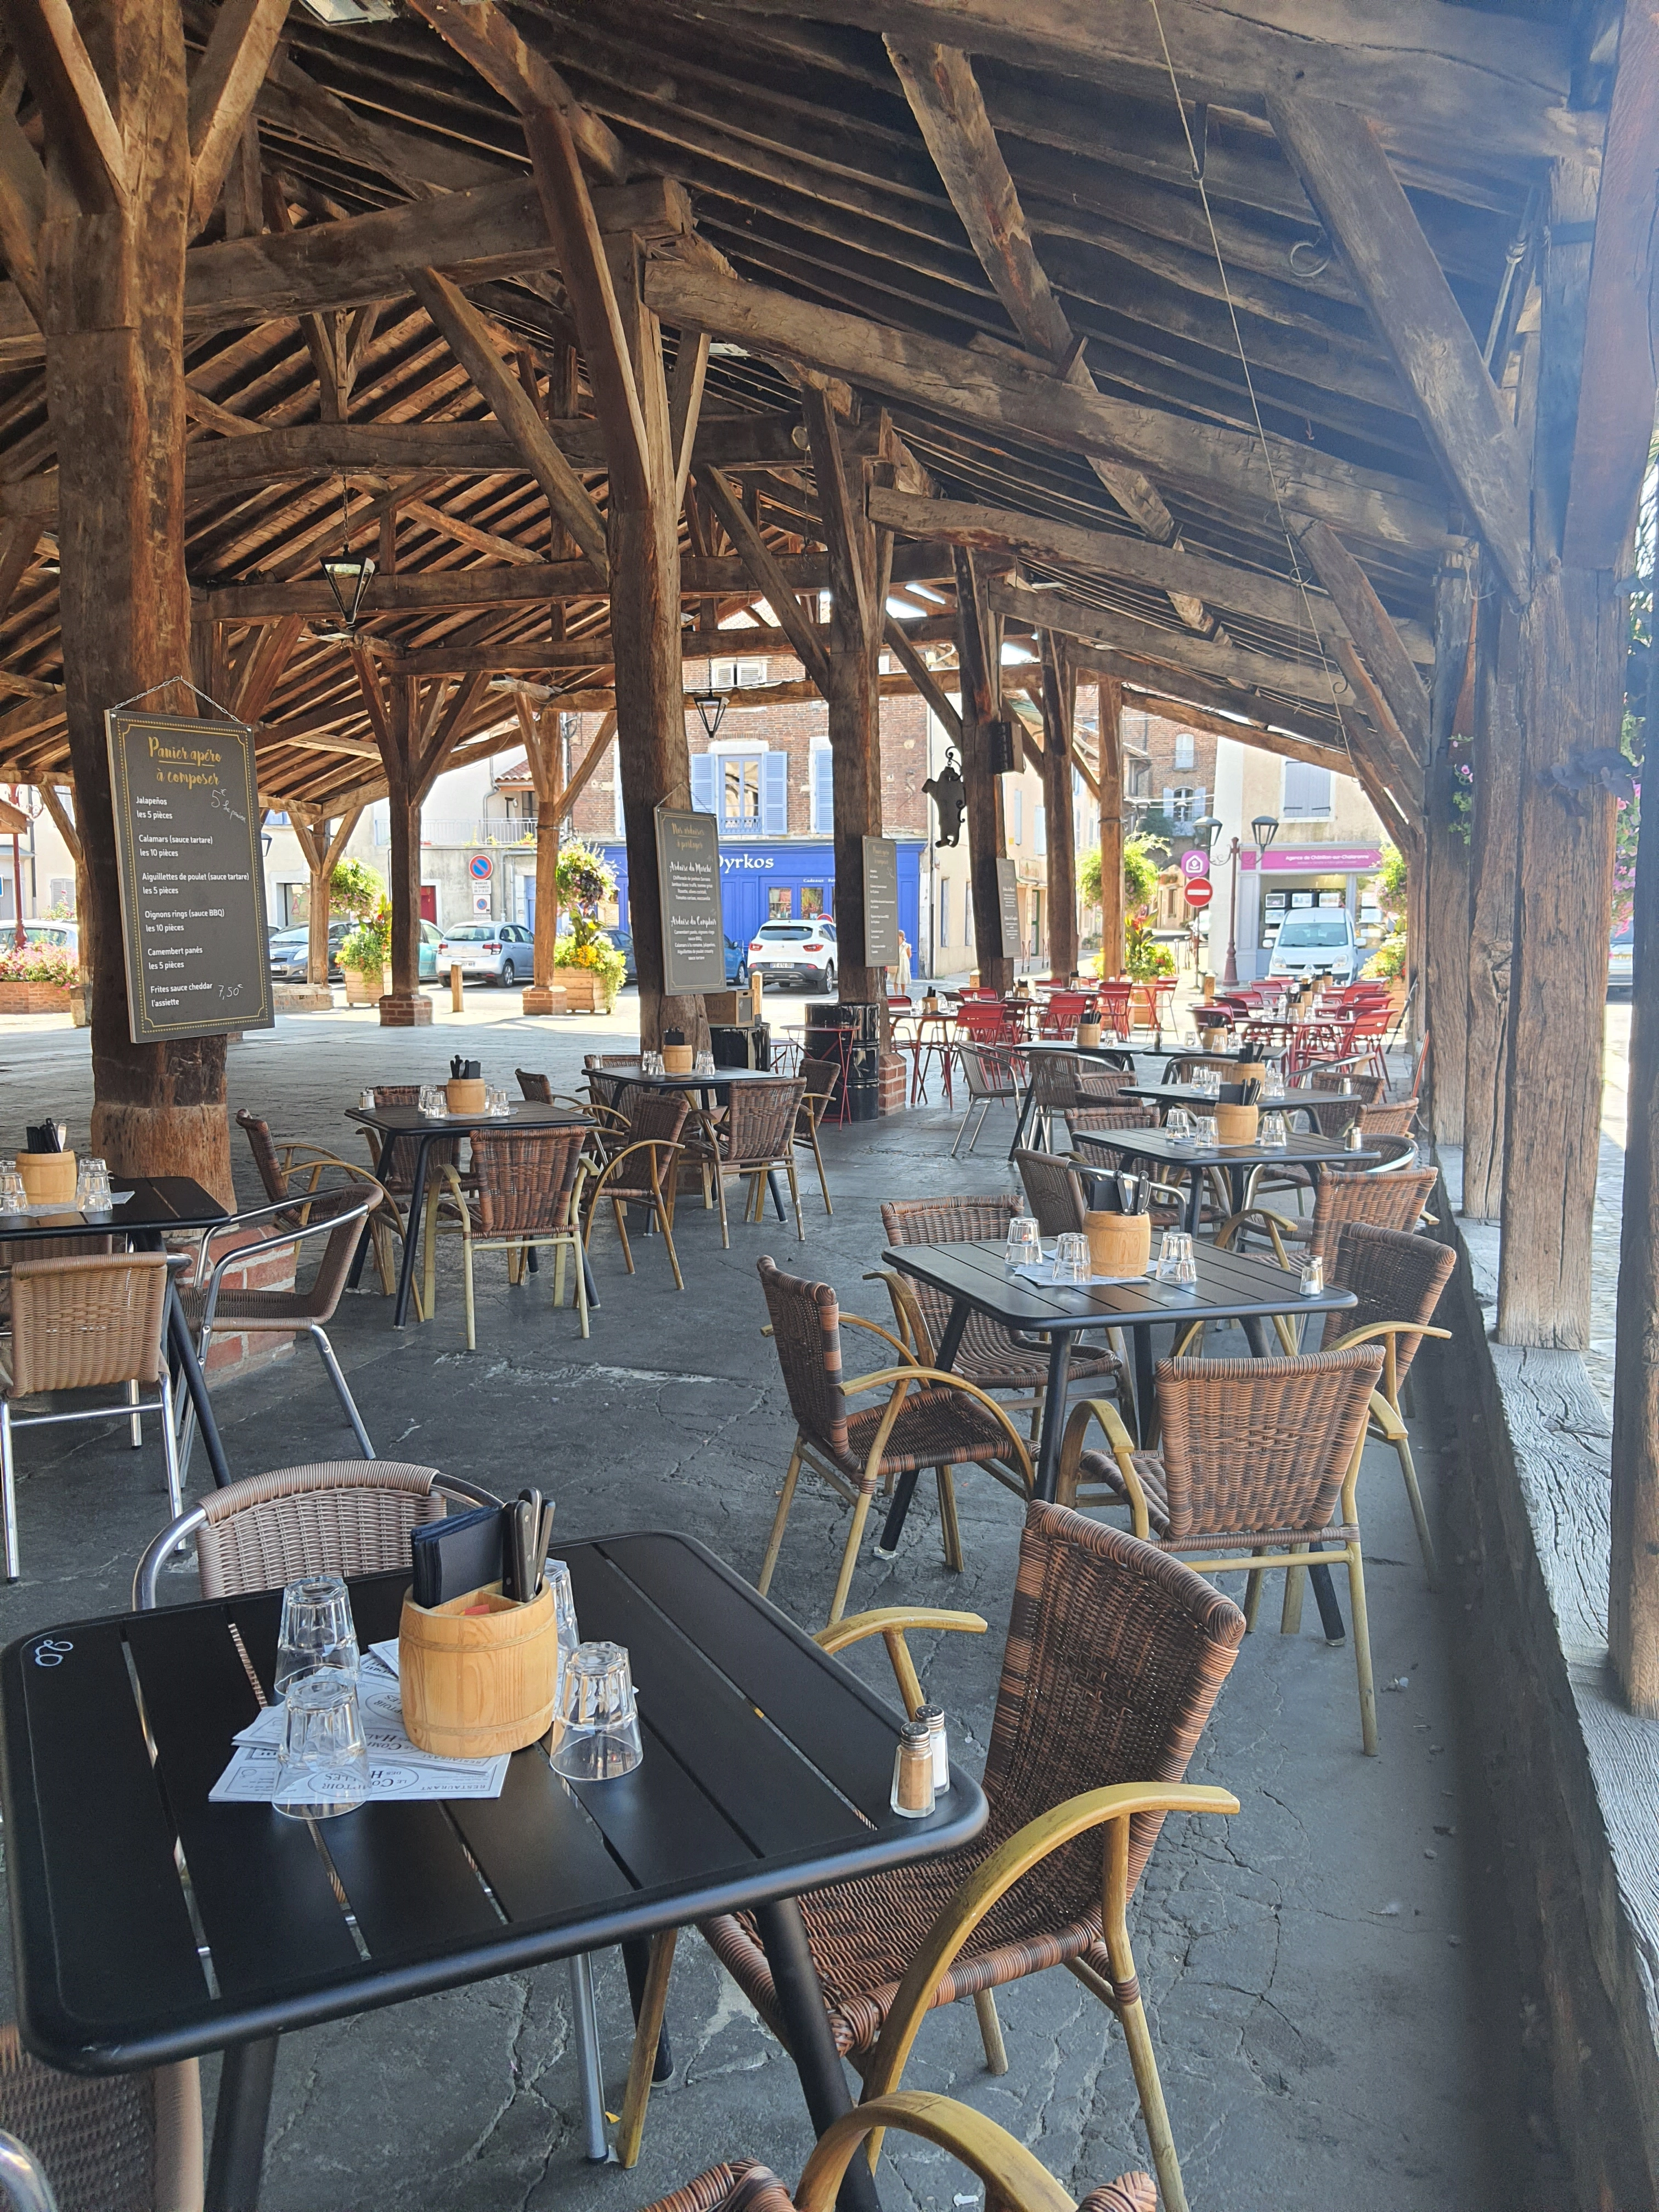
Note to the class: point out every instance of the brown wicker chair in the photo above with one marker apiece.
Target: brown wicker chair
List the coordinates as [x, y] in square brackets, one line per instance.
[110, 2143]
[820, 1077]
[1113, 1659]
[756, 1135]
[525, 1195]
[1395, 1199]
[644, 1170]
[1394, 1121]
[1367, 1089]
[1256, 1457]
[1012, 2175]
[1061, 1082]
[94, 1323]
[291, 1168]
[930, 1419]
[1398, 1279]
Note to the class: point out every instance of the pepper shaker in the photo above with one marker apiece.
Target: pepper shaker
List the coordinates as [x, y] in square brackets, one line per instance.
[913, 1772]
[935, 1717]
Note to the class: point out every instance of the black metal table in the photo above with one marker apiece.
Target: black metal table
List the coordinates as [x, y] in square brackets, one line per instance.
[1180, 1153]
[767, 1772]
[161, 1205]
[618, 1078]
[1109, 1055]
[1187, 1094]
[425, 1130]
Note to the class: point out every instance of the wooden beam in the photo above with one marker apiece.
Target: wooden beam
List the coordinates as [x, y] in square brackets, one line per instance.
[998, 393]
[1614, 425]
[1496, 796]
[82, 131]
[1406, 765]
[685, 403]
[1109, 722]
[763, 566]
[979, 654]
[1334, 756]
[1059, 694]
[1363, 207]
[437, 750]
[22, 207]
[222, 92]
[922, 677]
[467, 533]
[483, 34]
[1376, 638]
[468, 337]
[1446, 854]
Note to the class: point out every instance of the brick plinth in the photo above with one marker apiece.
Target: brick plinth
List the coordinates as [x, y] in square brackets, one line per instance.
[230, 1350]
[891, 1080]
[546, 999]
[413, 1011]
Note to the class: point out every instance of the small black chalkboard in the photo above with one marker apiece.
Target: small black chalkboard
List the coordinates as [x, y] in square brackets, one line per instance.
[881, 920]
[186, 803]
[689, 872]
[1008, 905]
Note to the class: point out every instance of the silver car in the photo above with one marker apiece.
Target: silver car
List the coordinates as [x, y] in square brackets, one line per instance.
[500, 952]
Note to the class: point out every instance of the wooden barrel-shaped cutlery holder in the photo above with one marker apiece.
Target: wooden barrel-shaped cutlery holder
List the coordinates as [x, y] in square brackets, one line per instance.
[474, 1684]
[462, 1095]
[678, 1058]
[48, 1177]
[1088, 1036]
[1118, 1244]
[1236, 1125]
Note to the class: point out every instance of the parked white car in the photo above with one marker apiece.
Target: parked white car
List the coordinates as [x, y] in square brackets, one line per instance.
[498, 951]
[1318, 944]
[1621, 958]
[799, 953]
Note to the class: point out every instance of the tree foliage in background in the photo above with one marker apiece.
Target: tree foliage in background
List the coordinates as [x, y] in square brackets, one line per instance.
[369, 946]
[355, 889]
[1143, 856]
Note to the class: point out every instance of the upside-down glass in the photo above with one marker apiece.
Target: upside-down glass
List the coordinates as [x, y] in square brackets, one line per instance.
[92, 1190]
[1072, 1259]
[556, 1576]
[1273, 1131]
[433, 1100]
[1186, 1269]
[1024, 1245]
[1169, 1252]
[13, 1196]
[1273, 1084]
[1204, 1127]
[322, 1768]
[316, 1630]
[1178, 1124]
[705, 1064]
[596, 1735]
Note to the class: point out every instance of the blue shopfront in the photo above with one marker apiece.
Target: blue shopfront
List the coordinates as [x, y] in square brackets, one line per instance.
[776, 879]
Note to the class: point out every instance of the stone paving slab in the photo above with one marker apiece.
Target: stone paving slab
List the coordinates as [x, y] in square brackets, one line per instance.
[1324, 2025]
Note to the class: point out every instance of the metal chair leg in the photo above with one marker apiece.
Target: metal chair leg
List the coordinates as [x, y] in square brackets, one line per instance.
[319, 1338]
[170, 1449]
[136, 1425]
[8, 1483]
[586, 2020]
[990, 2032]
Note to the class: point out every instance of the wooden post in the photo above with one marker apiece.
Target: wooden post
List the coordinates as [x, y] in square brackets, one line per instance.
[1633, 1588]
[1446, 892]
[1059, 707]
[542, 753]
[979, 653]
[322, 856]
[1497, 762]
[111, 269]
[1110, 716]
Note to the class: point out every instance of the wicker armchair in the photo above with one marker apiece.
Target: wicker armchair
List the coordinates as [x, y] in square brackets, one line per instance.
[539, 1090]
[1397, 1279]
[1367, 1089]
[96, 1322]
[1113, 1659]
[524, 1196]
[1092, 1121]
[1061, 1082]
[1012, 2175]
[1394, 1121]
[1258, 1457]
[756, 1135]
[109, 2142]
[644, 1170]
[1394, 1199]
[929, 1419]
[291, 1169]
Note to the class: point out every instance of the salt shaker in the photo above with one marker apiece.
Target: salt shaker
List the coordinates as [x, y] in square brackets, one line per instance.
[1312, 1285]
[935, 1717]
[366, 1101]
[1353, 1138]
[913, 1772]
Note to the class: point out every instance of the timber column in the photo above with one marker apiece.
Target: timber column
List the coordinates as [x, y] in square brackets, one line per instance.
[110, 300]
[1059, 707]
[1108, 698]
[979, 653]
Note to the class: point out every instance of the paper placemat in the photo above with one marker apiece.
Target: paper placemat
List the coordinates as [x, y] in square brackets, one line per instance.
[1042, 1270]
[397, 1770]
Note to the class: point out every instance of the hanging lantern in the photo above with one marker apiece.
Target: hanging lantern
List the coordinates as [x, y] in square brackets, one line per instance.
[349, 574]
[711, 711]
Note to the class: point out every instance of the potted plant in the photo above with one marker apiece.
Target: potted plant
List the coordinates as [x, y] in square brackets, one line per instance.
[590, 967]
[35, 978]
[363, 957]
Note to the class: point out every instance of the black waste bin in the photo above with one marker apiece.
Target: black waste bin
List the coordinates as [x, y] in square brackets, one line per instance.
[741, 1044]
[829, 1023]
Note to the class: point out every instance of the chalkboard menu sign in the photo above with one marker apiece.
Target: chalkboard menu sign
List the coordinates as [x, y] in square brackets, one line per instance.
[881, 921]
[187, 850]
[1008, 905]
[689, 879]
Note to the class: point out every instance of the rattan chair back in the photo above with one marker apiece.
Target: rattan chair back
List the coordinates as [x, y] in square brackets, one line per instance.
[83, 1324]
[1093, 1119]
[536, 1088]
[525, 1179]
[820, 1078]
[336, 1215]
[263, 1147]
[399, 1175]
[1061, 1081]
[1394, 1121]
[656, 1117]
[950, 1220]
[1261, 1444]
[109, 2142]
[1114, 1655]
[1394, 1276]
[1052, 1192]
[1367, 1089]
[806, 1330]
[760, 1123]
[337, 1517]
[1396, 1201]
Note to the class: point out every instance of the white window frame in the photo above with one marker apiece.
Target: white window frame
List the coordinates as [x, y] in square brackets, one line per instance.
[1186, 749]
[739, 674]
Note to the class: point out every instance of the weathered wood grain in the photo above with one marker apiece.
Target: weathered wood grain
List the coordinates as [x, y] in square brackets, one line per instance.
[1496, 756]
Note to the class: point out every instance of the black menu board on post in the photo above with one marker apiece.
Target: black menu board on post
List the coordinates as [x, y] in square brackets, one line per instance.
[881, 921]
[689, 882]
[186, 805]
[1008, 905]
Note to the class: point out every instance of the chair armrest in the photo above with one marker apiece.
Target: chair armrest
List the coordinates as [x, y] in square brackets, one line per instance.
[854, 1321]
[1265, 1218]
[889, 1622]
[1122, 1449]
[1388, 1330]
[905, 1376]
[652, 1145]
[907, 1311]
[989, 1882]
[1012, 2175]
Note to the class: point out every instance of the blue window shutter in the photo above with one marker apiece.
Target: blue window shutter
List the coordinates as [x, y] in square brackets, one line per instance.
[775, 795]
[702, 782]
[823, 792]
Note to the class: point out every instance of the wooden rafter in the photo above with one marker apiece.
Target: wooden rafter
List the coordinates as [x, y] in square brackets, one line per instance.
[65, 84]
[222, 92]
[1373, 634]
[767, 569]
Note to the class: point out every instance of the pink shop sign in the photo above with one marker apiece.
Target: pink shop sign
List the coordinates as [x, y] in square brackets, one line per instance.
[1317, 859]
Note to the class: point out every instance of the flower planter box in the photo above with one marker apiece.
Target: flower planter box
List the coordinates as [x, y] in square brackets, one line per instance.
[33, 997]
[587, 991]
[364, 987]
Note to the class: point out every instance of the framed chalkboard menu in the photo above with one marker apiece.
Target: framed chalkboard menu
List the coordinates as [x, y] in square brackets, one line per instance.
[186, 803]
[1008, 907]
[881, 921]
[689, 879]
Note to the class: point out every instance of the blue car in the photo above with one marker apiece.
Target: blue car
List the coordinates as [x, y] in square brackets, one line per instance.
[737, 964]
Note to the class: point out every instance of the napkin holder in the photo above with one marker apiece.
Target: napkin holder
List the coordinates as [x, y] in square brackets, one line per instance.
[1118, 1244]
[48, 1177]
[462, 1096]
[474, 1684]
[1236, 1125]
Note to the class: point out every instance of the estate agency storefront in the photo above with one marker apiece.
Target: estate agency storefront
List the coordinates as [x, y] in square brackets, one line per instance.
[1290, 879]
[783, 879]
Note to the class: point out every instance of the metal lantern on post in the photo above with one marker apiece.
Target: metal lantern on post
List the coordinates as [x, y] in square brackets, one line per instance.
[1205, 830]
[1263, 829]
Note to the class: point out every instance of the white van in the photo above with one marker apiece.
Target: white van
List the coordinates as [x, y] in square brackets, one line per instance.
[1318, 944]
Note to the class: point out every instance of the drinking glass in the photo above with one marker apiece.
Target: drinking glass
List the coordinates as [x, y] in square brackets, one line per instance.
[1179, 1125]
[13, 1196]
[1186, 1271]
[432, 1099]
[1169, 1253]
[596, 1736]
[705, 1064]
[1205, 1127]
[317, 1630]
[1024, 1245]
[1273, 1084]
[1272, 1130]
[1312, 1285]
[1072, 1259]
[322, 1768]
[556, 1575]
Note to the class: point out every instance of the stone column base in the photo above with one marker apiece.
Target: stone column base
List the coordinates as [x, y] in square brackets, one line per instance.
[302, 999]
[409, 1011]
[545, 999]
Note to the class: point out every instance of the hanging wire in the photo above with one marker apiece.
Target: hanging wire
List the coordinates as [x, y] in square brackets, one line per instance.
[167, 685]
[1249, 381]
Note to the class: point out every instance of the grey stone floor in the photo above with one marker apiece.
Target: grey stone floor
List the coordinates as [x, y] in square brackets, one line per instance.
[1330, 2006]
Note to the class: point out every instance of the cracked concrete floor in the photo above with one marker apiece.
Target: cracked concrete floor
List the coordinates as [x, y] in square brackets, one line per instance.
[1328, 2005]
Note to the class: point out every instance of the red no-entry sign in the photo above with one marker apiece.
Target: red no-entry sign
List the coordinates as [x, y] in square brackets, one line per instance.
[1198, 890]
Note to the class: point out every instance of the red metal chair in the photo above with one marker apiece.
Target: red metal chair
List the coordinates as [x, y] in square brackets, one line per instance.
[1114, 997]
[1063, 1012]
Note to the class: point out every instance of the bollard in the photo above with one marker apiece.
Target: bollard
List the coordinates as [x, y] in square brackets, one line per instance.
[456, 993]
[757, 986]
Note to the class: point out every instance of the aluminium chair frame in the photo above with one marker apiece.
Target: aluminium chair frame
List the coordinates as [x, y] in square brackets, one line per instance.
[521, 1245]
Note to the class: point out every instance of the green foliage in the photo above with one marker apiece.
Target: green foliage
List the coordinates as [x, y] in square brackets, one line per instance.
[369, 946]
[1388, 959]
[1390, 880]
[35, 964]
[597, 952]
[355, 889]
[584, 881]
[1142, 958]
[1142, 862]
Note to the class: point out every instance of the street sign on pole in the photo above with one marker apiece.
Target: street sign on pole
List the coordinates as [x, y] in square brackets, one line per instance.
[1194, 864]
[1198, 890]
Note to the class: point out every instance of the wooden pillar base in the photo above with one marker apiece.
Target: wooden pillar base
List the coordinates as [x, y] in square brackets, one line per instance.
[165, 1141]
[405, 1010]
[546, 999]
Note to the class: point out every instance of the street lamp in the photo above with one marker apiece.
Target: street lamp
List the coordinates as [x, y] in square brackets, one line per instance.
[1205, 830]
[711, 711]
[1263, 829]
[349, 574]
